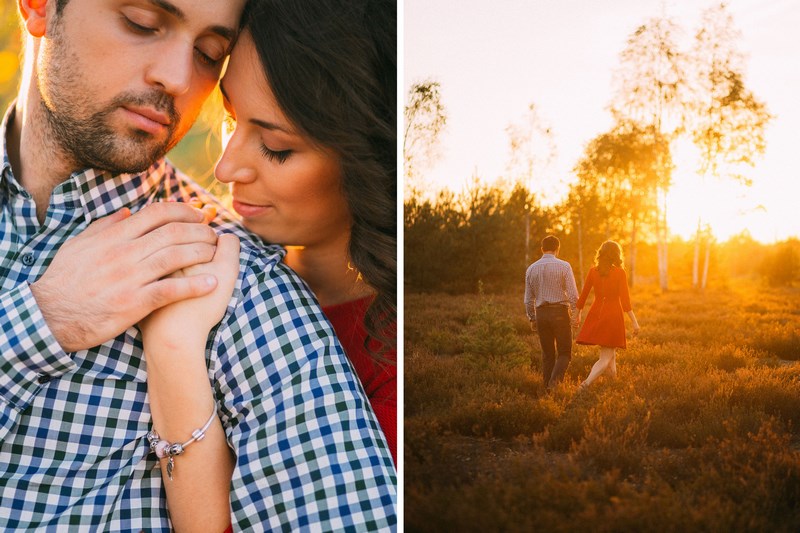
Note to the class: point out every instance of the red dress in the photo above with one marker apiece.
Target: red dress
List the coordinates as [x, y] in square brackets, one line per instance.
[605, 323]
[378, 378]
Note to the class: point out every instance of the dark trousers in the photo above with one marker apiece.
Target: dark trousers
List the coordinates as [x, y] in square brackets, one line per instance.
[555, 335]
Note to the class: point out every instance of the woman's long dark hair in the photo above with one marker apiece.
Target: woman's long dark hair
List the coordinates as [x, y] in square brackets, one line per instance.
[332, 65]
[608, 255]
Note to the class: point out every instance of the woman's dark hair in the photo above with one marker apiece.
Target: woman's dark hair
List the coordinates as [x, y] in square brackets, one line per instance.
[332, 66]
[608, 255]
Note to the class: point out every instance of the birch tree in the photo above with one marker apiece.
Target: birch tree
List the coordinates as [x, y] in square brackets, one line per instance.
[651, 92]
[729, 121]
[425, 119]
[623, 168]
[532, 149]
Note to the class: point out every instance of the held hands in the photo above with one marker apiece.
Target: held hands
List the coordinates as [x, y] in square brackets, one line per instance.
[576, 323]
[188, 322]
[115, 273]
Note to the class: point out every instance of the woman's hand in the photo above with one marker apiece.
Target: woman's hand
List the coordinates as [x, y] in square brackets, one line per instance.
[634, 322]
[188, 322]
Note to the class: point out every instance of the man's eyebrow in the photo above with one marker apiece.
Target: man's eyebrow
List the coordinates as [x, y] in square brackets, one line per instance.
[175, 11]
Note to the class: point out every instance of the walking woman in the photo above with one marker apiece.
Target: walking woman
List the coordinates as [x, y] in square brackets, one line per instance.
[605, 323]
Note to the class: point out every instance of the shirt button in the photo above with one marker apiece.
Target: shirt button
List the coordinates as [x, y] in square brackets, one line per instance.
[44, 378]
[28, 259]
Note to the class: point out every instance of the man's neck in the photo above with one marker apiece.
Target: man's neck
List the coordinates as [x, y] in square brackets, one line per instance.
[327, 271]
[39, 164]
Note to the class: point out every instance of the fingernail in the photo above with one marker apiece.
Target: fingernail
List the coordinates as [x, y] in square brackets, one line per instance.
[210, 281]
[210, 212]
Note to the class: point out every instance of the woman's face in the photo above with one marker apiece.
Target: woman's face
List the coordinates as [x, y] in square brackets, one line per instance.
[287, 190]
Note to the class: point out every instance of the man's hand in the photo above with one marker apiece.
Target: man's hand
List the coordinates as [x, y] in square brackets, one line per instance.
[188, 322]
[534, 329]
[116, 272]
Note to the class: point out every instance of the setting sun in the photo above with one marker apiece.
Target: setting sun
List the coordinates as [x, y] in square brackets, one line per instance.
[571, 60]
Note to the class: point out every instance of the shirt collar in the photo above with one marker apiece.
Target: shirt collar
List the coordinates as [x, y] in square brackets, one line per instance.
[97, 192]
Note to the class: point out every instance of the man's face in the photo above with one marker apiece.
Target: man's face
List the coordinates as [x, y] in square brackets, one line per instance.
[123, 81]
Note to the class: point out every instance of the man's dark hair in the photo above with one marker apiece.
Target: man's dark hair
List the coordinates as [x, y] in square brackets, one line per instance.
[550, 244]
[60, 5]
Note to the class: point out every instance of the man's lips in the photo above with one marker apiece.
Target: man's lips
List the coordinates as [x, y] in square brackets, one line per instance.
[147, 119]
[249, 210]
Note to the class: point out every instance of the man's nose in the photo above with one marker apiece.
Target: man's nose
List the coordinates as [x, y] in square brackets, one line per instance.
[173, 69]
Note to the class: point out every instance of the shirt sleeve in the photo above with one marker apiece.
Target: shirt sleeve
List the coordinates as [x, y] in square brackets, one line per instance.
[587, 288]
[29, 354]
[530, 297]
[624, 293]
[310, 454]
[571, 290]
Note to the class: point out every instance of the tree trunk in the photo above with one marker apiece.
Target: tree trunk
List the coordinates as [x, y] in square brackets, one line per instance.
[527, 236]
[696, 262]
[661, 244]
[705, 266]
[632, 271]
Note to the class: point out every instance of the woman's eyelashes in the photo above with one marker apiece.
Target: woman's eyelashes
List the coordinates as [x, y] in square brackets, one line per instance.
[278, 156]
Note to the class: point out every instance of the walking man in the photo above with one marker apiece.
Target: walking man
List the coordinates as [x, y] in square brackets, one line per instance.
[550, 297]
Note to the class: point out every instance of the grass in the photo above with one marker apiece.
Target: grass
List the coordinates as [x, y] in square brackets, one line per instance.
[699, 432]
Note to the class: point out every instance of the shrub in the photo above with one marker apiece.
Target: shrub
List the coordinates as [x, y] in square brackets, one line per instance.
[782, 266]
[615, 435]
[489, 333]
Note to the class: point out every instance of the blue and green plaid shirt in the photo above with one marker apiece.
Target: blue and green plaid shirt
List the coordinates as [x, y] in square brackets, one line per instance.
[73, 452]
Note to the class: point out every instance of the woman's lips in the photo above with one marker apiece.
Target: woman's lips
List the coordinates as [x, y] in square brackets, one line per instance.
[250, 210]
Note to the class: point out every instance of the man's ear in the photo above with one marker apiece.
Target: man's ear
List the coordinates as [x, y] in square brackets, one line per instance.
[34, 13]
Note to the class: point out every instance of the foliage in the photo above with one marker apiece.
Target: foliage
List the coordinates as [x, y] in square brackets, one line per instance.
[699, 432]
[456, 241]
[531, 148]
[619, 178]
[425, 120]
[489, 333]
[781, 266]
[728, 121]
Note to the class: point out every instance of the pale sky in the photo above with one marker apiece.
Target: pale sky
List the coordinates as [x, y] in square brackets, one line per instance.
[494, 58]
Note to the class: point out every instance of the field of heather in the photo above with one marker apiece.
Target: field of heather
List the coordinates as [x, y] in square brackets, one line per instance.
[699, 432]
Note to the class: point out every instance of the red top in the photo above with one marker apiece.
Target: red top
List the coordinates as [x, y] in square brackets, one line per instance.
[605, 323]
[378, 378]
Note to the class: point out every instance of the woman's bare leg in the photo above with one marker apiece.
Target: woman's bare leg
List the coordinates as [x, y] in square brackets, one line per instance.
[612, 366]
[606, 358]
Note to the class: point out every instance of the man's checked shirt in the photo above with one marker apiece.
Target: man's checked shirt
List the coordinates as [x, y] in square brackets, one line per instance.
[550, 281]
[73, 452]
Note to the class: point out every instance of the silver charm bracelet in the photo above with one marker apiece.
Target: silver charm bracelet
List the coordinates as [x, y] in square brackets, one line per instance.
[164, 449]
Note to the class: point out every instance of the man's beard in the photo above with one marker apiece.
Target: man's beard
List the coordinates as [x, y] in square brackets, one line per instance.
[91, 141]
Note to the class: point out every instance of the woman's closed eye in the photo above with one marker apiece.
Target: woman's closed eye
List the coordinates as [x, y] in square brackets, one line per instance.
[278, 156]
